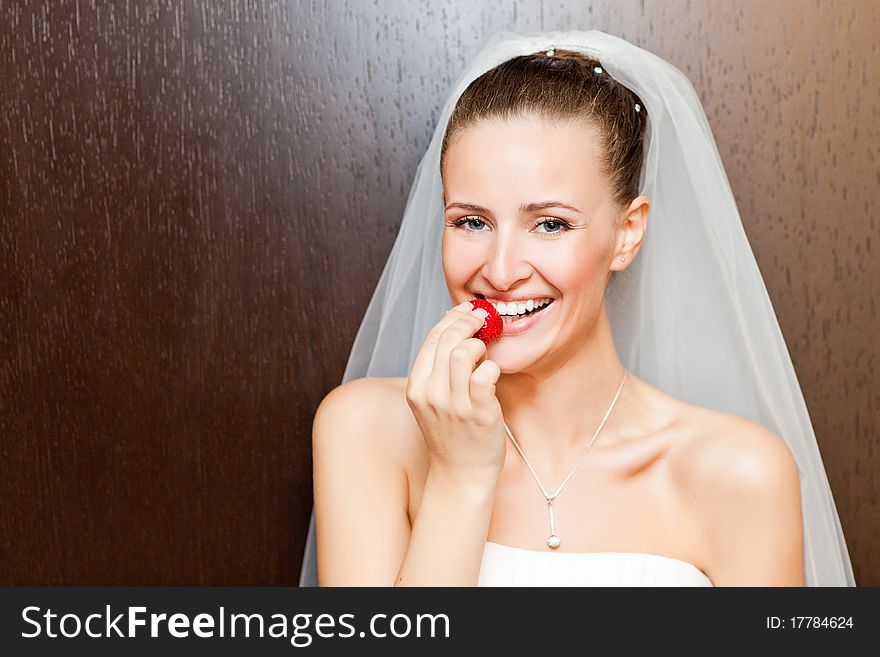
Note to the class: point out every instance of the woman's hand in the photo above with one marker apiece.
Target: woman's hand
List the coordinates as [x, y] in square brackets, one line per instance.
[454, 404]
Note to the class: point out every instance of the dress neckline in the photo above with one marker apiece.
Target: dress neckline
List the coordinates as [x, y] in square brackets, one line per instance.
[644, 554]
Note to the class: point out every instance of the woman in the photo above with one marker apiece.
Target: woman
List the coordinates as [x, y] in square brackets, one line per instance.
[612, 479]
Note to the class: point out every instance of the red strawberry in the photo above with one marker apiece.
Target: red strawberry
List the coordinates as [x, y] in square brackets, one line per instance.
[492, 326]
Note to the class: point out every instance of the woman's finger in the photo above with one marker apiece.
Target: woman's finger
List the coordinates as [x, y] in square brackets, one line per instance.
[462, 360]
[482, 387]
[454, 334]
[424, 360]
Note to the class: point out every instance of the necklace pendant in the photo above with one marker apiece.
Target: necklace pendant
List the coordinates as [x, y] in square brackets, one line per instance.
[553, 541]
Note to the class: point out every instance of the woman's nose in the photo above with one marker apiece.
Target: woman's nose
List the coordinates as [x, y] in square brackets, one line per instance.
[504, 264]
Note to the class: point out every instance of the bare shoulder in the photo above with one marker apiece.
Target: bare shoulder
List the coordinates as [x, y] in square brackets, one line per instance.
[371, 409]
[741, 481]
[373, 397]
[714, 448]
[729, 455]
[357, 394]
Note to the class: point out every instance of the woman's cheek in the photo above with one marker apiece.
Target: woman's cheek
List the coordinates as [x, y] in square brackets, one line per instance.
[460, 261]
[570, 269]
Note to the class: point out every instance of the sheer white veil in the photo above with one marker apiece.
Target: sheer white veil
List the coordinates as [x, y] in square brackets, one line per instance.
[690, 315]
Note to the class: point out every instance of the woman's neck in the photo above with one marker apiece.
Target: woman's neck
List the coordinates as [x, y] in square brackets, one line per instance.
[553, 412]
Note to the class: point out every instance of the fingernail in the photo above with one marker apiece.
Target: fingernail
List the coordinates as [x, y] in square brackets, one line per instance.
[466, 305]
[482, 313]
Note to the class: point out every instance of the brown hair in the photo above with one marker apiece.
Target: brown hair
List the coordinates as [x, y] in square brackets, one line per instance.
[564, 86]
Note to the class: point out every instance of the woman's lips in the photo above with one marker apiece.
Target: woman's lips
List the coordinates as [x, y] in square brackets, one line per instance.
[524, 324]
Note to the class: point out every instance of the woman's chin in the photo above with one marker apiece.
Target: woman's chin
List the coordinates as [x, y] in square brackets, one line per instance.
[515, 354]
[508, 362]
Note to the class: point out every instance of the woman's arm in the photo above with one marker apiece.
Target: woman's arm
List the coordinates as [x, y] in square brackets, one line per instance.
[449, 532]
[360, 492]
[752, 509]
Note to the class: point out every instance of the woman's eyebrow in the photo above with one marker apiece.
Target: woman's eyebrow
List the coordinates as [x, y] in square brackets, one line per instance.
[525, 207]
[543, 205]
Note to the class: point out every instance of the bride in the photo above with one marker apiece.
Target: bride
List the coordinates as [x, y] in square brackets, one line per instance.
[540, 458]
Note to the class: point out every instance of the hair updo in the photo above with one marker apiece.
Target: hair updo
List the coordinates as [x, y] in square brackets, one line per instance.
[564, 86]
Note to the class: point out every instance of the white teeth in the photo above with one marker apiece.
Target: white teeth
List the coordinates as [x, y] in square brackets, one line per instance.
[513, 308]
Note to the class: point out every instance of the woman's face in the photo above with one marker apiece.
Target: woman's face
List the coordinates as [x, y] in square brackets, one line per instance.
[509, 236]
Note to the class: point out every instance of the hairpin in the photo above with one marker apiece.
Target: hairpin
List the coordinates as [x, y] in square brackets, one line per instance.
[596, 69]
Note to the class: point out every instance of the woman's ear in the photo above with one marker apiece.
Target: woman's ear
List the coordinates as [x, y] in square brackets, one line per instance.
[631, 232]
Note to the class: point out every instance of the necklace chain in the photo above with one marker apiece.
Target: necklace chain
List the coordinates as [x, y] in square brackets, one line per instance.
[553, 540]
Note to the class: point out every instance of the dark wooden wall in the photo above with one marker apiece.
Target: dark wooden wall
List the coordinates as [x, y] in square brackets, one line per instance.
[197, 200]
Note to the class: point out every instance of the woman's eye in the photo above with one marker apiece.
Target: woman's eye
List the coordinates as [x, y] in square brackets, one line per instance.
[473, 224]
[553, 226]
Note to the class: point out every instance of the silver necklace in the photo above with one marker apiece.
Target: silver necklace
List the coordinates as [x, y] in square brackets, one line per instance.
[553, 540]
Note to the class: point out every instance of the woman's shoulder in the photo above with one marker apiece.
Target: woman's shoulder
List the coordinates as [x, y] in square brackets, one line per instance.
[701, 439]
[727, 449]
[369, 394]
[728, 467]
[373, 408]
[365, 391]
[738, 482]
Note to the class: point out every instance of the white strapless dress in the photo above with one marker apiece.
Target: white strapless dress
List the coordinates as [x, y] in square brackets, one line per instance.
[505, 565]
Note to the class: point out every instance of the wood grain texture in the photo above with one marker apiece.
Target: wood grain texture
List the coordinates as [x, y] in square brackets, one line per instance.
[197, 199]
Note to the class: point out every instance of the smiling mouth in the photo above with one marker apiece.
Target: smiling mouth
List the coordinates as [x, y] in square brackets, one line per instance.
[512, 319]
